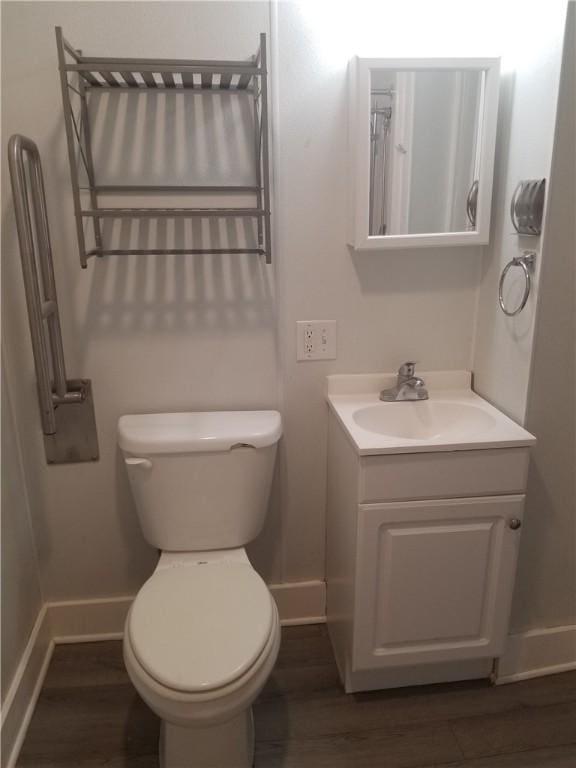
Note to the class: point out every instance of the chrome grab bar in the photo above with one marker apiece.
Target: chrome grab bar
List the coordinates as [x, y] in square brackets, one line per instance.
[41, 299]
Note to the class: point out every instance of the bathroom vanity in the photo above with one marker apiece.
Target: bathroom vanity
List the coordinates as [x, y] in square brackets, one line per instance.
[424, 513]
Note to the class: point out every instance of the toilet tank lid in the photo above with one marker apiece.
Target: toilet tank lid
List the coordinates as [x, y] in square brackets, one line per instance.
[199, 431]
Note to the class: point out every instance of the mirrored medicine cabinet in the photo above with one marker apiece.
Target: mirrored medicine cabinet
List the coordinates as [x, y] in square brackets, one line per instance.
[421, 151]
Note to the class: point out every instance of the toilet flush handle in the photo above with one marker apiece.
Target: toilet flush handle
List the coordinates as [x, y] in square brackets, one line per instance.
[137, 462]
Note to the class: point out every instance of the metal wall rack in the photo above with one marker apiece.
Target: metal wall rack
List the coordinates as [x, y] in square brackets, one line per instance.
[82, 75]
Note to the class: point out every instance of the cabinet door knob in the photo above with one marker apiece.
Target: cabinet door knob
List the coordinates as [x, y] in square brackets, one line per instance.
[514, 524]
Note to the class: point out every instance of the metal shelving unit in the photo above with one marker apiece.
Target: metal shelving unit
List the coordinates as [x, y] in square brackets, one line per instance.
[82, 75]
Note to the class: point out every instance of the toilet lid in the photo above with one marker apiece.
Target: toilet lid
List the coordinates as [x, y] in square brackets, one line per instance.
[199, 627]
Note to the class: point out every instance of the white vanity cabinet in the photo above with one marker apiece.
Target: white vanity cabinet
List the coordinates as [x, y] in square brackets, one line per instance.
[421, 560]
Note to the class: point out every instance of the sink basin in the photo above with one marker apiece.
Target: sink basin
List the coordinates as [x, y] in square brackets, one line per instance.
[425, 420]
[454, 418]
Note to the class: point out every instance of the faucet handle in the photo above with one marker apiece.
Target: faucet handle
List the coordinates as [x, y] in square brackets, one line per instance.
[407, 369]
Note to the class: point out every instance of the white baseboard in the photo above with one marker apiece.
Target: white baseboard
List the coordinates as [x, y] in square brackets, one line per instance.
[536, 653]
[302, 602]
[24, 690]
[82, 621]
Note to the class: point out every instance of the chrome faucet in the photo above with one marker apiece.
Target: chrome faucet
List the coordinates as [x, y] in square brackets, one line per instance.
[408, 386]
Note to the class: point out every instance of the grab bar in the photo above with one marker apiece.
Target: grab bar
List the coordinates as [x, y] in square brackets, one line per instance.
[54, 389]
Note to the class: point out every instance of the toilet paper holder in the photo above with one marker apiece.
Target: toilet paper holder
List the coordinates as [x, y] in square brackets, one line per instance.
[527, 206]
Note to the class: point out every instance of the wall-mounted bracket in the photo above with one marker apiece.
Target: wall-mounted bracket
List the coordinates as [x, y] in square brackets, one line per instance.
[75, 439]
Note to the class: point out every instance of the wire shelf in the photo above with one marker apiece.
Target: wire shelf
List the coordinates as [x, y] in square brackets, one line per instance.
[149, 213]
[83, 75]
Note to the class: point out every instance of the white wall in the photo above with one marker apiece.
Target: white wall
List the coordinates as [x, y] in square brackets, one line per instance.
[21, 593]
[519, 361]
[546, 585]
[187, 342]
[531, 66]
[205, 332]
[152, 333]
[390, 307]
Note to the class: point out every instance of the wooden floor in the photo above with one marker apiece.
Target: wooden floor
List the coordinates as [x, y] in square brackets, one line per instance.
[89, 715]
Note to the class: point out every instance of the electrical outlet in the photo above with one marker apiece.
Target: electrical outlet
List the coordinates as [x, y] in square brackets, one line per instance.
[316, 340]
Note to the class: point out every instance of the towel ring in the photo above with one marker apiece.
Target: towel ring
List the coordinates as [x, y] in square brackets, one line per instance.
[525, 262]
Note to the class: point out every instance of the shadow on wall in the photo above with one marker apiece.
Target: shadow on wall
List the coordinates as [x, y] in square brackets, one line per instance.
[408, 270]
[262, 551]
[538, 526]
[157, 293]
[503, 133]
[173, 139]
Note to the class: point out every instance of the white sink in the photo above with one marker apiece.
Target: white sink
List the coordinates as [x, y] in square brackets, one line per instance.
[423, 420]
[454, 418]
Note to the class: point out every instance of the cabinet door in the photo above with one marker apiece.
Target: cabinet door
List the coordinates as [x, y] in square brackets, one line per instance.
[434, 580]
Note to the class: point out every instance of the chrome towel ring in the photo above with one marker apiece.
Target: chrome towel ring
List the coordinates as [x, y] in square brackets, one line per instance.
[525, 262]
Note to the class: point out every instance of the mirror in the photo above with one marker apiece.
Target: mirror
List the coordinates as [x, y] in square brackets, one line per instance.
[423, 136]
[424, 150]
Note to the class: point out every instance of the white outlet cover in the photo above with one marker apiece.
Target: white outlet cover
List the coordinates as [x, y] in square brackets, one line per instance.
[316, 339]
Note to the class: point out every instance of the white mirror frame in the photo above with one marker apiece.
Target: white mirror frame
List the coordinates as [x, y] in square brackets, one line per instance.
[359, 153]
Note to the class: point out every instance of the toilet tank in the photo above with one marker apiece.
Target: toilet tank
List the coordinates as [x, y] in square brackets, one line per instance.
[200, 480]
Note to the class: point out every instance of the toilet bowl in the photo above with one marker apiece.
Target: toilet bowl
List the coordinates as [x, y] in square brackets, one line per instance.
[201, 639]
[203, 633]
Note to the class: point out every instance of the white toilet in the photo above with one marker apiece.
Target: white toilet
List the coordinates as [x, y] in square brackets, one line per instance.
[203, 633]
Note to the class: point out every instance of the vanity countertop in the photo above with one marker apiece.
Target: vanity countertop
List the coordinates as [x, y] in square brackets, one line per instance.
[454, 418]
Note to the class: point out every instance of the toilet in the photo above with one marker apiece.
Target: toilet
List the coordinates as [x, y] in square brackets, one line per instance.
[203, 633]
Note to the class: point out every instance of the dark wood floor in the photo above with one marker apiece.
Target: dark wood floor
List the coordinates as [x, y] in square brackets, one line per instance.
[89, 715]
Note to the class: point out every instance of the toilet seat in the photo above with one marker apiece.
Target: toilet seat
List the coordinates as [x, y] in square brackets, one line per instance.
[204, 708]
[201, 626]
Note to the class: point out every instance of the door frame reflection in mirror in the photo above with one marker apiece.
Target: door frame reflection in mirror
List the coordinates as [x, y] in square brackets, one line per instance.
[359, 151]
